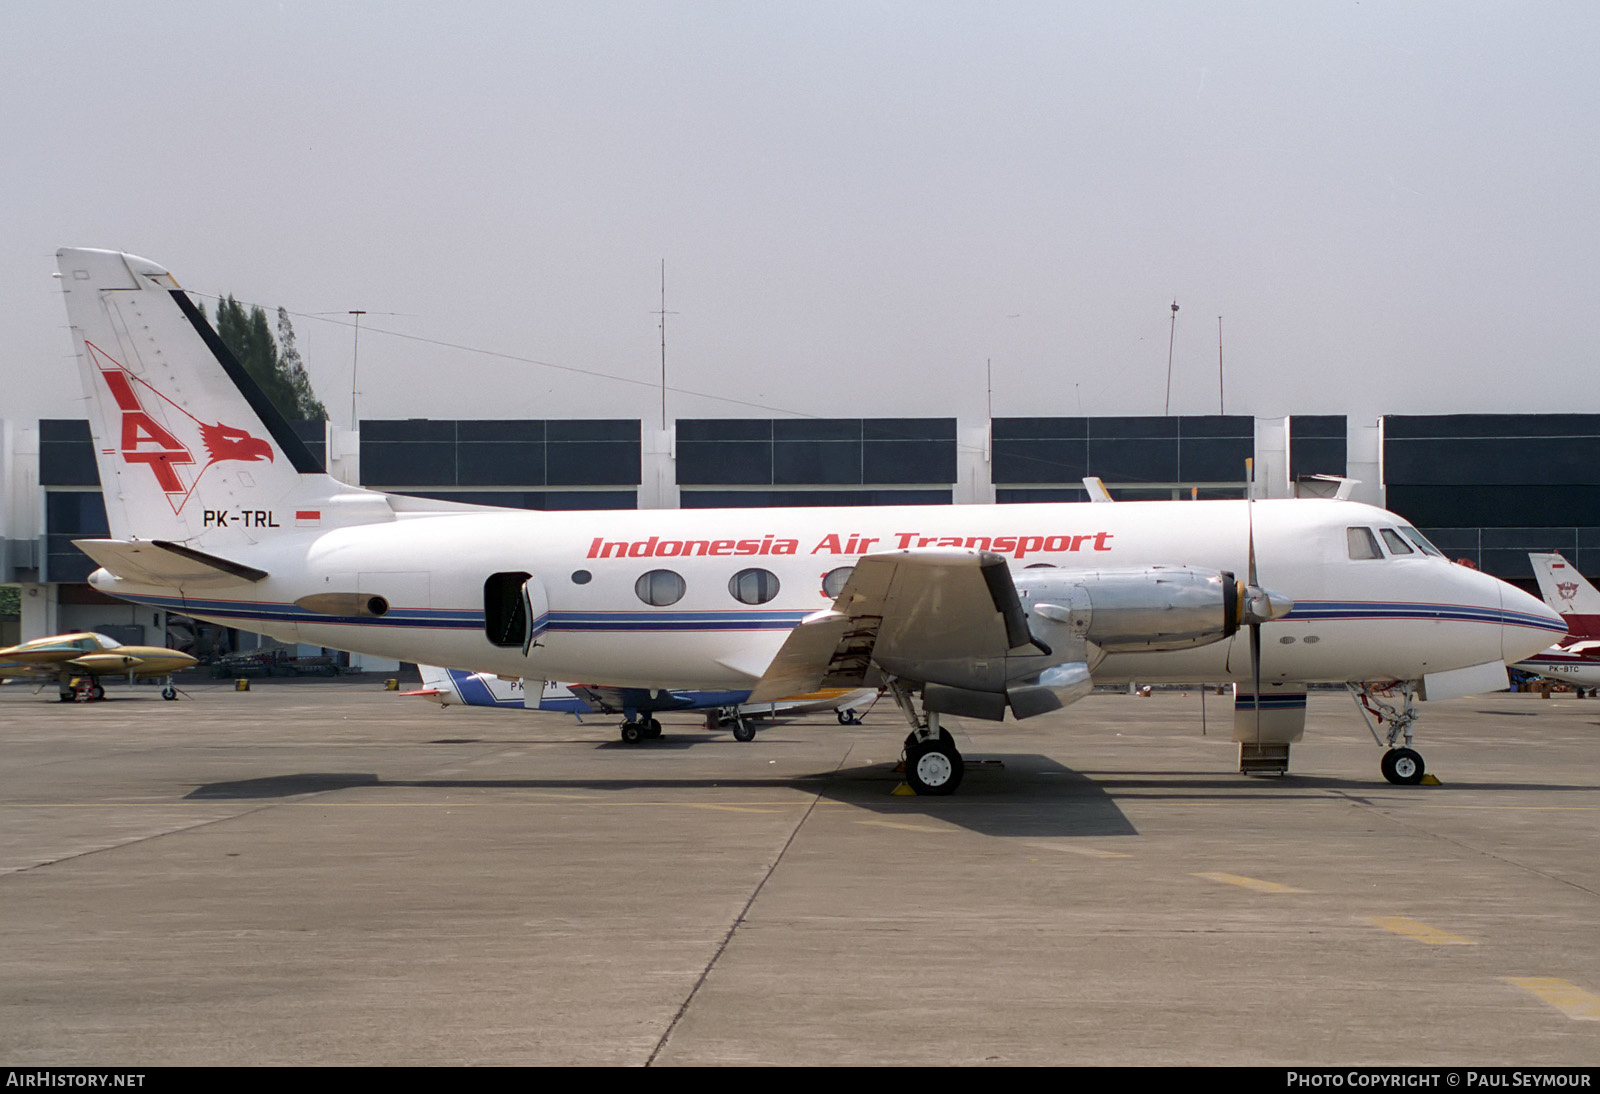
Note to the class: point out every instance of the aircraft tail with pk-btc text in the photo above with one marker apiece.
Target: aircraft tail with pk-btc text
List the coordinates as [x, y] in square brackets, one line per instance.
[1569, 593]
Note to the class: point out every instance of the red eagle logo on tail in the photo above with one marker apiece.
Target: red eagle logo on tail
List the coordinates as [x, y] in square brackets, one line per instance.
[224, 442]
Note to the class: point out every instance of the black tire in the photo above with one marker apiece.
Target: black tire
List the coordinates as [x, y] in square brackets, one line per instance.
[743, 730]
[169, 693]
[632, 733]
[1403, 766]
[96, 692]
[652, 729]
[934, 768]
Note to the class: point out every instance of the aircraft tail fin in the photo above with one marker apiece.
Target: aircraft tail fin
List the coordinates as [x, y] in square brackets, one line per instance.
[188, 446]
[1569, 593]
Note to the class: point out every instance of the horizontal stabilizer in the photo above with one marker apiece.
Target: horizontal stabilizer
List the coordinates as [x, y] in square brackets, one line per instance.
[163, 563]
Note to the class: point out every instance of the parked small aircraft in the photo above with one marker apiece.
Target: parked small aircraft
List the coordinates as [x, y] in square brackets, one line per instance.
[92, 655]
[637, 705]
[218, 510]
[1576, 659]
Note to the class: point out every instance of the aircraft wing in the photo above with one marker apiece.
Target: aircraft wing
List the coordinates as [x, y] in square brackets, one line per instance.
[902, 608]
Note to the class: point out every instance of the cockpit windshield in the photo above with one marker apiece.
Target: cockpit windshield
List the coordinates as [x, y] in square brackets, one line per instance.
[1421, 541]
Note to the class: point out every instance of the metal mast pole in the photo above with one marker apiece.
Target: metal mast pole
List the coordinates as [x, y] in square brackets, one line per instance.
[355, 352]
[1171, 338]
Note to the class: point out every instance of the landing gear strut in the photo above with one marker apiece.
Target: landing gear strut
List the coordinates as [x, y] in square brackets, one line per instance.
[644, 729]
[1402, 764]
[933, 763]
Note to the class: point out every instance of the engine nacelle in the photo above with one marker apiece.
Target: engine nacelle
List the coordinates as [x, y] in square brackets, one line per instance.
[1124, 611]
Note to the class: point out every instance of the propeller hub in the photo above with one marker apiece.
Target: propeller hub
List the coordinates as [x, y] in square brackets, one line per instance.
[1264, 605]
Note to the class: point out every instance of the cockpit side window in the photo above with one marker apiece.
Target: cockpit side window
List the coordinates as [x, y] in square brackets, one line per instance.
[1397, 546]
[1362, 543]
[1420, 540]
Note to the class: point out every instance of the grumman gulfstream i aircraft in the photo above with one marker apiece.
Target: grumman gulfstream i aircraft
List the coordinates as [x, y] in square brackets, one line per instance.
[1576, 659]
[218, 511]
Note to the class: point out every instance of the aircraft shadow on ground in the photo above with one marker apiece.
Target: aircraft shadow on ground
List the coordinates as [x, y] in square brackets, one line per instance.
[1023, 795]
[1013, 795]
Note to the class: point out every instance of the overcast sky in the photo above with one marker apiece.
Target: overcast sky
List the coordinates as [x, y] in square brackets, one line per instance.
[1393, 206]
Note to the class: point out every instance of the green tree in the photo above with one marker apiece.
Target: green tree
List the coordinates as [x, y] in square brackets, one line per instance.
[281, 375]
[289, 361]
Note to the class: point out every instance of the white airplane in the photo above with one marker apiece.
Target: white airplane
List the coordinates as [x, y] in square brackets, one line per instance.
[1576, 660]
[637, 705]
[218, 511]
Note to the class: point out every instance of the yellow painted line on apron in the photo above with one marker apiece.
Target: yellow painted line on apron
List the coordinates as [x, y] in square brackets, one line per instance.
[904, 827]
[1087, 852]
[1255, 884]
[737, 808]
[1420, 931]
[1568, 998]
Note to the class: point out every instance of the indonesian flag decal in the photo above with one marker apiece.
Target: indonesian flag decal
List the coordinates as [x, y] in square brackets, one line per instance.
[307, 518]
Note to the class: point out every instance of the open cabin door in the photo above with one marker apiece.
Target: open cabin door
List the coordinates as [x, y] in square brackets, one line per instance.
[515, 609]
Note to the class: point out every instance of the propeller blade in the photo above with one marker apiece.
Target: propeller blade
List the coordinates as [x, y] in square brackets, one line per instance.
[1255, 673]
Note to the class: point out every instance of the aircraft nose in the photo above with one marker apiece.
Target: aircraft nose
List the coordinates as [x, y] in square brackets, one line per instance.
[1528, 625]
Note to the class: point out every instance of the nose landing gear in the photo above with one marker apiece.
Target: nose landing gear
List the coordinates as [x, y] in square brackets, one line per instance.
[1401, 765]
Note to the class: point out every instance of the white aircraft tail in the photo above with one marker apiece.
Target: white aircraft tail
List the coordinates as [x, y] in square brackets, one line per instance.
[189, 448]
[1569, 593]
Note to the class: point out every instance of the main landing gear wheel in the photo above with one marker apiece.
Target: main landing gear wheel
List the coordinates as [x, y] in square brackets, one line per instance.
[169, 693]
[632, 733]
[96, 692]
[743, 730]
[652, 729]
[1403, 766]
[934, 767]
[847, 717]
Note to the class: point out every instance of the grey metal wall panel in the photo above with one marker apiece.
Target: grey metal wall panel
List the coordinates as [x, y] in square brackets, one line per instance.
[725, 463]
[500, 463]
[551, 500]
[593, 429]
[724, 429]
[1214, 459]
[1317, 456]
[1041, 429]
[529, 431]
[816, 429]
[1398, 426]
[1520, 506]
[592, 463]
[1039, 460]
[908, 461]
[814, 461]
[767, 499]
[1124, 460]
[414, 463]
[66, 453]
[1566, 461]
